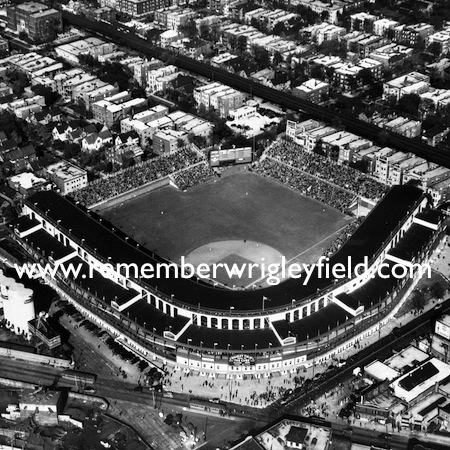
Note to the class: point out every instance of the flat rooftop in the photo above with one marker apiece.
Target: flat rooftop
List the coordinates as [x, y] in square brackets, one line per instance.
[380, 371]
[414, 383]
[407, 359]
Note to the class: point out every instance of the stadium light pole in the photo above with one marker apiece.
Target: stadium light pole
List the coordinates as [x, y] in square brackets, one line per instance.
[189, 340]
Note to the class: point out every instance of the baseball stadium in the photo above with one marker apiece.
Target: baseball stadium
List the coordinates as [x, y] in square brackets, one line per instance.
[225, 324]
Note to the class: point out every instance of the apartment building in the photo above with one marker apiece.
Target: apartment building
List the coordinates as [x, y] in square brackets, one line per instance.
[391, 54]
[158, 79]
[309, 139]
[346, 76]
[375, 67]
[427, 174]
[441, 37]
[81, 91]
[220, 97]
[381, 26]
[412, 35]
[412, 83]
[362, 21]
[166, 141]
[37, 20]
[108, 113]
[66, 176]
[398, 169]
[156, 112]
[328, 32]
[384, 162]
[348, 153]
[335, 143]
[404, 126]
[143, 67]
[363, 44]
[34, 64]
[90, 46]
[174, 17]
[70, 85]
[312, 90]
[294, 129]
[435, 135]
[333, 9]
[139, 8]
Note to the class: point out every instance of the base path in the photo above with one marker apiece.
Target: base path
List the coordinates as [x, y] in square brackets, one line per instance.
[245, 255]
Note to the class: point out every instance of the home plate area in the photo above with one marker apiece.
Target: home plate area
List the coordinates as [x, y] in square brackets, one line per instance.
[239, 254]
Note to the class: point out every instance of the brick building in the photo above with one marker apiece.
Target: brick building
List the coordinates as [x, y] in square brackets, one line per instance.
[37, 20]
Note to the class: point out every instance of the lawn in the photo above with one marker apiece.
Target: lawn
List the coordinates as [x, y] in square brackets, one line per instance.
[238, 206]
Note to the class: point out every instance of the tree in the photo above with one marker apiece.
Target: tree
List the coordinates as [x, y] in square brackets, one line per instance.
[357, 25]
[8, 213]
[279, 29]
[368, 26]
[23, 36]
[189, 29]
[241, 44]
[152, 35]
[232, 42]
[427, 108]
[366, 76]
[71, 150]
[50, 96]
[417, 300]
[352, 82]
[409, 104]
[262, 57]
[19, 81]
[277, 59]
[317, 72]
[329, 71]
[324, 15]
[435, 48]
[181, 143]
[353, 47]
[437, 290]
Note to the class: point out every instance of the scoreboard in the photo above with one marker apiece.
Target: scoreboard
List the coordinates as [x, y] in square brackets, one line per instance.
[240, 155]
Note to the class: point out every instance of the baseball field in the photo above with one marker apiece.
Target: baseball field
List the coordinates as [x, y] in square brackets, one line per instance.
[241, 217]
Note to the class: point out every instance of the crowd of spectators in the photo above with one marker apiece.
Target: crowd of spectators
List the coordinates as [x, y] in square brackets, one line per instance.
[306, 184]
[342, 237]
[322, 167]
[135, 176]
[193, 176]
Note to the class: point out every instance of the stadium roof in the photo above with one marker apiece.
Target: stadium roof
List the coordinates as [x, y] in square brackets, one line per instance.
[48, 245]
[97, 236]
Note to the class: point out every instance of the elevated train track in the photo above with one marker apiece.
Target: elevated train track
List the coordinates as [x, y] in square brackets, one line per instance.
[286, 100]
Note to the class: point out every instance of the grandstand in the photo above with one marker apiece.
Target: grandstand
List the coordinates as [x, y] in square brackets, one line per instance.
[175, 317]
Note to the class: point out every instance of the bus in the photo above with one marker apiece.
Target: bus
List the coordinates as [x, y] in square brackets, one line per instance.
[78, 377]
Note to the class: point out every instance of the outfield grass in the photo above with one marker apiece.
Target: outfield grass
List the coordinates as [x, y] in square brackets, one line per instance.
[239, 206]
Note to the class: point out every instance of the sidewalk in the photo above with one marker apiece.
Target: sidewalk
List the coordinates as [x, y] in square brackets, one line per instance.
[330, 404]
